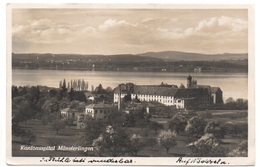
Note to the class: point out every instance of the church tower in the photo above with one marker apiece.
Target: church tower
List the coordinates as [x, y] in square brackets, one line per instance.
[189, 81]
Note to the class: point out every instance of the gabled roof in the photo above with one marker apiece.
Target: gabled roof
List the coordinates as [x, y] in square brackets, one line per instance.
[215, 89]
[201, 86]
[69, 110]
[155, 90]
[99, 105]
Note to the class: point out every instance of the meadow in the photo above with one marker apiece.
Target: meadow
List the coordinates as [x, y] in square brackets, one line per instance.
[71, 136]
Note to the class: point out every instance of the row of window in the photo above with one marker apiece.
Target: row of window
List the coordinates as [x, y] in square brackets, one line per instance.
[99, 111]
[152, 96]
[158, 100]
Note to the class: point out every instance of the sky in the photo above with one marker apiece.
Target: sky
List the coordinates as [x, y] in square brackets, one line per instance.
[129, 31]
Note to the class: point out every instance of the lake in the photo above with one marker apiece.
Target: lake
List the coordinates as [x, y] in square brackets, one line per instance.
[232, 84]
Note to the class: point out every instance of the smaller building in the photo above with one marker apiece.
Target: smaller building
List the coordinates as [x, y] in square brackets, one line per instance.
[216, 95]
[99, 110]
[70, 113]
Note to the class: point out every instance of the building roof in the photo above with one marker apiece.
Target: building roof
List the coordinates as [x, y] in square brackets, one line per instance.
[191, 92]
[155, 90]
[167, 90]
[215, 89]
[99, 105]
[211, 89]
[69, 110]
[201, 86]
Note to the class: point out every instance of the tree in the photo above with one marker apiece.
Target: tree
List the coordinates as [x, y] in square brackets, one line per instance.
[58, 125]
[178, 123]
[86, 86]
[14, 91]
[28, 137]
[68, 85]
[216, 129]
[79, 84]
[150, 141]
[60, 84]
[83, 85]
[69, 121]
[182, 86]
[64, 87]
[206, 146]
[26, 110]
[237, 128]
[51, 105]
[116, 119]
[16, 130]
[167, 139]
[109, 89]
[99, 89]
[196, 126]
[240, 151]
[75, 86]
[34, 93]
[130, 121]
[230, 100]
[137, 143]
[44, 120]
[112, 142]
[93, 129]
[155, 126]
[53, 92]
[240, 104]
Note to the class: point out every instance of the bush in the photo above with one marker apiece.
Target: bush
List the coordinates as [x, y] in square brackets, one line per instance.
[178, 123]
[196, 126]
[207, 146]
[240, 151]
[216, 129]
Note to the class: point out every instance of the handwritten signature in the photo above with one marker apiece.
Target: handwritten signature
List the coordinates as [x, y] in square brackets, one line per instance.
[208, 161]
[82, 160]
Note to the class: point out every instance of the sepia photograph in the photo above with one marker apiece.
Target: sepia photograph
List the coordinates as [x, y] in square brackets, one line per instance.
[130, 85]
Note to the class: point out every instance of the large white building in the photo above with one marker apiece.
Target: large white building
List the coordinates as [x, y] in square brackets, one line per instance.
[170, 95]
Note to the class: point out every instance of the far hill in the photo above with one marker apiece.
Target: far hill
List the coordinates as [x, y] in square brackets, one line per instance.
[88, 58]
[184, 56]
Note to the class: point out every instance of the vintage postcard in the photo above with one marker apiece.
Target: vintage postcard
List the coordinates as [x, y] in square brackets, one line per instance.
[130, 84]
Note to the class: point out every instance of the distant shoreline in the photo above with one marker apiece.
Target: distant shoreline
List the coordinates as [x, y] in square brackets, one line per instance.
[128, 70]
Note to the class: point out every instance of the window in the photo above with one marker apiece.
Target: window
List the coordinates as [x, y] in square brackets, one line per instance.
[100, 111]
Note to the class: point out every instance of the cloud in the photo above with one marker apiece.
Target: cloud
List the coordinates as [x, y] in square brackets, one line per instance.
[221, 24]
[112, 35]
[42, 31]
[212, 27]
[111, 23]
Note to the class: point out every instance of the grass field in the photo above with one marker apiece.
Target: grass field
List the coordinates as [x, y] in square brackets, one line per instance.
[71, 137]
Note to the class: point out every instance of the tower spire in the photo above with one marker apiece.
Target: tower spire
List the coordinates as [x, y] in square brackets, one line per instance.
[189, 81]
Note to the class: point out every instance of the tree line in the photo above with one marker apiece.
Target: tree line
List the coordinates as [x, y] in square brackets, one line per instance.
[78, 85]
